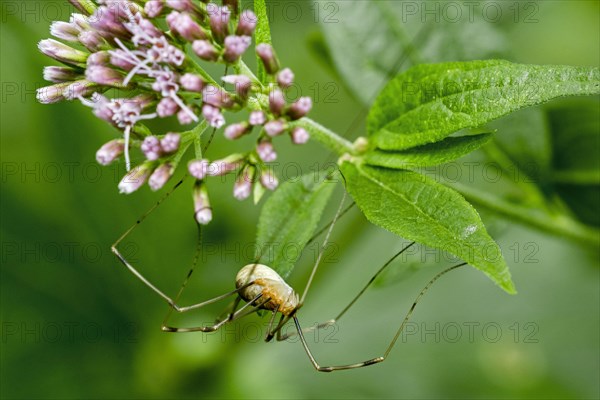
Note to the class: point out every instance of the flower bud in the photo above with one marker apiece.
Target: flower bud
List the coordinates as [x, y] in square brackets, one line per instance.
[285, 78]
[235, 131]
[166, 107]
[153, 8]
[80, 88]
[276, 102]
[257, 117]
[219, 21]
[225, 165]
[184, 25]
[52, 94]
[104, 75]
[192, 83]
[151, 148]
[202, 210]
[268, 180]
[160, 176]
[275, 127]
[300, 108]
[135, 178]
[101, 107]
[61, 52]
[107, 21]
[216, 97]
[244, 182]
[235, 46]
[170, 142]
[242, 190]
[99, 58]
[110, 151]
[299, 135]
[198, 168]
[267, 55]
[181, 5]
[246, 24]
[119, 58]
[266, 151]
[80, 21]
[184, 117]
[92, 40]
[213, 116]
[64, 30]
[60, 74]
[205, 50]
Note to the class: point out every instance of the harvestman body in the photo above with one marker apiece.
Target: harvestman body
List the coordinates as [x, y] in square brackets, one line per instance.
[262, 288]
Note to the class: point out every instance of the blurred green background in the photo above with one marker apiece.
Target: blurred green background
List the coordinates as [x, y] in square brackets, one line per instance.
[76, 324]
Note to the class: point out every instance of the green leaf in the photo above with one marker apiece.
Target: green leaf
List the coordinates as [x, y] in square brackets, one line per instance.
[316, 44]
[429, 102]
[418, 208]
[289, 218]
[371, 41]
[262, 34]
[427, 155]
[349, 28]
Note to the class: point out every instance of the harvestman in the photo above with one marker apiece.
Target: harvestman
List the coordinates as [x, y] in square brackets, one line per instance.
[262, 288]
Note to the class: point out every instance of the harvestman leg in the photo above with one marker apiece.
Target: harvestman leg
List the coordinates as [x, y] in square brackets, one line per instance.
[172, 303]
[242, 312]
[390, 346]
[363, 290]
[329, 227]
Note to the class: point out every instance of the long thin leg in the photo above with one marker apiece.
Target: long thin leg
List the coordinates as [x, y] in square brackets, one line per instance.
[269, 335]
[323, 229]
[145, 215]
[392, 343]
[323, 245]
[334, 320]
[242, 312]
[170, 301]
[277, 330]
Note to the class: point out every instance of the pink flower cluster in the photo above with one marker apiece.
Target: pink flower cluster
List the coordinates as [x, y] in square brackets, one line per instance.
[119, 44]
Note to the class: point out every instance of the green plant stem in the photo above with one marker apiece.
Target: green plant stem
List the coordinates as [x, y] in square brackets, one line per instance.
[558, 225]
[325, 136]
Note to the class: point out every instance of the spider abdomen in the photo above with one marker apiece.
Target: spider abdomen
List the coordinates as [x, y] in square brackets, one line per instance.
[270, 285]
